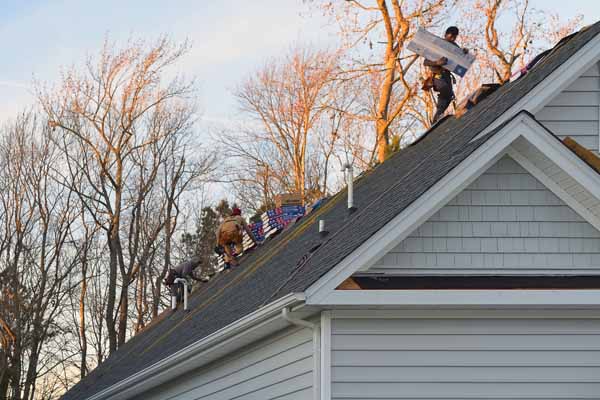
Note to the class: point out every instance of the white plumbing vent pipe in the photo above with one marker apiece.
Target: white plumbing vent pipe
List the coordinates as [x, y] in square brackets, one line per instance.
[349, 171]
[184, 282]
[322, 226]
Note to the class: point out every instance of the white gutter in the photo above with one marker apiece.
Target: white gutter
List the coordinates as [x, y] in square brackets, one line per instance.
[316, 330]
[189, 357]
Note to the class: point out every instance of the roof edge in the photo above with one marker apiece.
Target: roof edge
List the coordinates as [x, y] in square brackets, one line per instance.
[190, 357]
[555, 82]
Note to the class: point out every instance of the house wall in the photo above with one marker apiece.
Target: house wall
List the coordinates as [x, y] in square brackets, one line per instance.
[279, 367]
[507, 357]
[575, 111]
[505, 222]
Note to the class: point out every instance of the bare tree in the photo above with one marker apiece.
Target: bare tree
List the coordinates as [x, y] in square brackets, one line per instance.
[115, 122]
[35, 255]
[501, 52]
[291, 142]
[387, 25]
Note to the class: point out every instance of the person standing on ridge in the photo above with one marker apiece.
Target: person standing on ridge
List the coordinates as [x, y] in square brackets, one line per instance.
[231, 233]
[441, 79]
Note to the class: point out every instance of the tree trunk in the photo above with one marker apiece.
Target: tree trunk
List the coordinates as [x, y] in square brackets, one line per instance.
[382, 139]
[112, 294]
[123, 308]
[82, 331]
[4, 375]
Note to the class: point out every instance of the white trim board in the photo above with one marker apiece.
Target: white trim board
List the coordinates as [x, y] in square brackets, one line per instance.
[578, 299]
[325, 370]
[556, 82]
[523, 125]
[463, 313]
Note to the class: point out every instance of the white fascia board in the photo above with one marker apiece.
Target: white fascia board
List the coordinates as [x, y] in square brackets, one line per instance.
[419, 211]
[192, 356]
[556, 82]
[473, 299]
[442, 192]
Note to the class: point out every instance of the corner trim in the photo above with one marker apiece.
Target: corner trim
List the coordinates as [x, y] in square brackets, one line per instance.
[326, 355]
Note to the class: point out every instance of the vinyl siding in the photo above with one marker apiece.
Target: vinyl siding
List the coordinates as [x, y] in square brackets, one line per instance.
[277, 368]
[465, 358]
[506, 222]
[575, 111]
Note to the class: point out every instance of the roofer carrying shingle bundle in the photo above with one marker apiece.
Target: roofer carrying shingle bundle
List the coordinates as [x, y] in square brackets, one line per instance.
[441, 79]
[231, 233]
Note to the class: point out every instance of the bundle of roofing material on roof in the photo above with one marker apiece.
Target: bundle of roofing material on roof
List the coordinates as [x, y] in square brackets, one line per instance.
[586, 155]
[274, 271]
[278, 218]
[476, 97]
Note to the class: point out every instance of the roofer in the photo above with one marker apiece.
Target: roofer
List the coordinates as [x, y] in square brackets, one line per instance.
[231, 233]
[441, 79]
[183, 270]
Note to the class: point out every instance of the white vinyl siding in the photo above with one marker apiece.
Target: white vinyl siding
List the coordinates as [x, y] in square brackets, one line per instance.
[387, 358]
[277, 368]
[506, 222]
[575, 111]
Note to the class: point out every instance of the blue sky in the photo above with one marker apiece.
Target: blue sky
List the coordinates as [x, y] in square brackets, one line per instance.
[230, 38]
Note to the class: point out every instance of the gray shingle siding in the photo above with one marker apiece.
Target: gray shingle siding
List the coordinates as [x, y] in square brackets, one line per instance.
[460, 358]
[280, 366]
[505, 222]
[575, 111]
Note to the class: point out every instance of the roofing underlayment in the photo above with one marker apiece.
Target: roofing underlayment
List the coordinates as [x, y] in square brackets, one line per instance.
[286, 264]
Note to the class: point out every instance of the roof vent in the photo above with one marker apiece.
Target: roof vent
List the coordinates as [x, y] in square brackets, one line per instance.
[349, 172]
[322, 230]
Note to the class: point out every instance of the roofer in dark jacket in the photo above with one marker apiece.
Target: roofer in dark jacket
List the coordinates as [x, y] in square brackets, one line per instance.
[441, 79]
[183, 270]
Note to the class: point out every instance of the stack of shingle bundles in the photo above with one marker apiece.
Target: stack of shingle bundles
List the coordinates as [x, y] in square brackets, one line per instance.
[257, 230]
[272, 222]
[278, 218]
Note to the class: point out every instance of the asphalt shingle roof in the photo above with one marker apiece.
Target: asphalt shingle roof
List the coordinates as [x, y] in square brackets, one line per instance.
[285, 264]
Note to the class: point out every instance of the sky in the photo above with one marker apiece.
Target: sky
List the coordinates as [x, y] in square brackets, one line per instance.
[230, 39]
